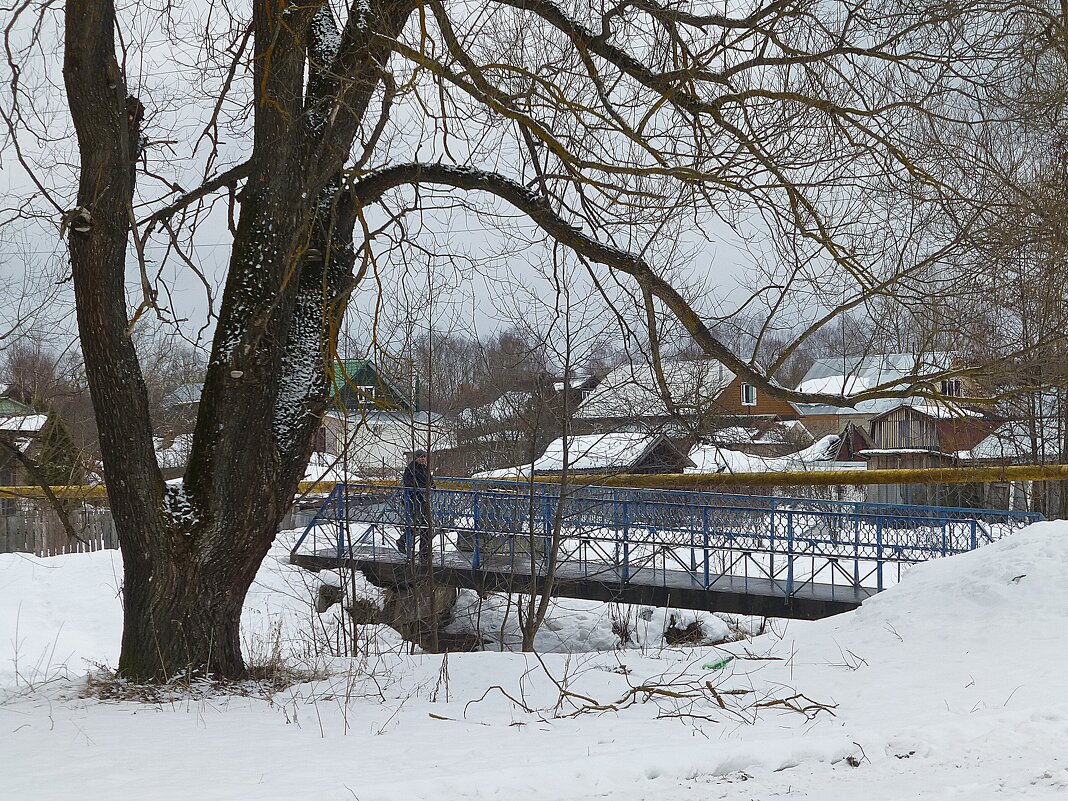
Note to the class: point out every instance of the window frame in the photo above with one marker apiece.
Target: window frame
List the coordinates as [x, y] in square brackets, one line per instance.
[951, 388]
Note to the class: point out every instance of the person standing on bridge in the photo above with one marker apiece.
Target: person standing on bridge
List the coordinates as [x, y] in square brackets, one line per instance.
[417, 481]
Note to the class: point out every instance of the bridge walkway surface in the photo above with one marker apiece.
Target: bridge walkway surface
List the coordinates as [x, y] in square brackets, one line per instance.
[768, 556]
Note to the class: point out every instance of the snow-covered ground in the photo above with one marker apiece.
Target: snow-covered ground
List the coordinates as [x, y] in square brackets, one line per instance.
[950, 685]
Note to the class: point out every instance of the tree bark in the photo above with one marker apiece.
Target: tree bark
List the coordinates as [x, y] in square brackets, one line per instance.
[191, 552]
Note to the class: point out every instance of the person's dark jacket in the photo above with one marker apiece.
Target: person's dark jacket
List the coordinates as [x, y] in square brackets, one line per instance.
[416, 478]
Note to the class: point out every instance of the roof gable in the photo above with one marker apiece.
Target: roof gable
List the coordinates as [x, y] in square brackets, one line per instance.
[850, 375]
[360, 384]
[9, 407]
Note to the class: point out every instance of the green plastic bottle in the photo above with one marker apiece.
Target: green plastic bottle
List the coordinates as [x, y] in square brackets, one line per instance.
[719, 664]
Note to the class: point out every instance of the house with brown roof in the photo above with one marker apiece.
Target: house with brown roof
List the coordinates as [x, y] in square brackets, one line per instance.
[702, 395]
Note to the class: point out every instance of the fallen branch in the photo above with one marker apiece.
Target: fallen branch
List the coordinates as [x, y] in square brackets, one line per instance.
[810, 710]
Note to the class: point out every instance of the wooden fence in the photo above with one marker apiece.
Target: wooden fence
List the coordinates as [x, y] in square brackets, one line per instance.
[37, 529]
[29, 528]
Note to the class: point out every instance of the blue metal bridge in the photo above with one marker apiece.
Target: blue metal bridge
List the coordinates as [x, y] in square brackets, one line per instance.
[780, 557]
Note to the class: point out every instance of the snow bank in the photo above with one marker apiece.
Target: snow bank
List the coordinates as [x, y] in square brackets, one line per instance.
[573, 625]
[60, 614]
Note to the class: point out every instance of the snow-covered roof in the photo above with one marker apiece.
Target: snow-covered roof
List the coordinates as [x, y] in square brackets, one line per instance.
[23, 423]
[632, 390]
[185, 395]
[573, 383]
[818, 456]
[507, 407]
[389, 417]
[1013, 441]
[21, 444]
[873, 408]
[849, 375]
[615, 451]
[775, 434]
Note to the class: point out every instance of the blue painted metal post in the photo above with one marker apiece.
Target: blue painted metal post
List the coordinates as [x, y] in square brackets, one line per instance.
[626, 542]
[547, 522]
[476, 557]
[409, 530]
[771, 542]
[856, 546]
[693, 553]
[789, 552]
[879, 553]
[339, 511]
[705, 531]
[974, 538]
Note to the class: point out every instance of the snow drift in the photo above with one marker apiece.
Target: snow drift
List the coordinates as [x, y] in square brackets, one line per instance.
[949, 685]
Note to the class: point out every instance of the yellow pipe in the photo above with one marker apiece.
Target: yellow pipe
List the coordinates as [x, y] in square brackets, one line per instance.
[827, 478]
[812, 478]
[691, 481]
[79, 492]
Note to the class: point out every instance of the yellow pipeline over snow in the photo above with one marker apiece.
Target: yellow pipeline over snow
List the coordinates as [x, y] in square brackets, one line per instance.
[689, 481]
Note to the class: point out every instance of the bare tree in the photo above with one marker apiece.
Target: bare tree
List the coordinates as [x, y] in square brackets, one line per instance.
[609, 130]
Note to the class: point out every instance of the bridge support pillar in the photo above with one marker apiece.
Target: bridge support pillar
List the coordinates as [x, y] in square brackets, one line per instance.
[419, 611]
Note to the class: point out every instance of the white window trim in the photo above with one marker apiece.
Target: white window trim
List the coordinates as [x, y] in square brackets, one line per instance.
[746, 402]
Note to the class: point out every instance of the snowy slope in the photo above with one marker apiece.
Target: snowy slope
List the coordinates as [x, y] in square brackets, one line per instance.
[951, 685]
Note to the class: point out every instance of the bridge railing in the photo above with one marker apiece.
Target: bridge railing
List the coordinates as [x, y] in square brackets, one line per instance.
[655, 535]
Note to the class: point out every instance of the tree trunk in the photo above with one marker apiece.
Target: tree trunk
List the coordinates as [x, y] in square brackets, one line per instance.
[183, 621]
[192, 551]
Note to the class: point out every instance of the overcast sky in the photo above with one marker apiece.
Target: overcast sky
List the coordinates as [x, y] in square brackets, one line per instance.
[483, 288]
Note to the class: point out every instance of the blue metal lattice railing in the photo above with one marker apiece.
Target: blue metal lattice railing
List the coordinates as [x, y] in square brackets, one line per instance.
[625, 535]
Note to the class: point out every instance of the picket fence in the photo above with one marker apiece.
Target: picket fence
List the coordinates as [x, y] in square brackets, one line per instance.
[31, 528]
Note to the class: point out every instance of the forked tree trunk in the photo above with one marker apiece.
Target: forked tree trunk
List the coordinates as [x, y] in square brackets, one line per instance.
[191, 552]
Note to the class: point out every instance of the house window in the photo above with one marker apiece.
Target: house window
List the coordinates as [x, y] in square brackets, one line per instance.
[366, 394]
[952, 388]
[748, 395]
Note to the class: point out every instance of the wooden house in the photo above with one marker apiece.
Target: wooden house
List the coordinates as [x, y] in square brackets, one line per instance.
[34, 448]
[376, 423]
[913, 436]
[851, 375]
[703, 395]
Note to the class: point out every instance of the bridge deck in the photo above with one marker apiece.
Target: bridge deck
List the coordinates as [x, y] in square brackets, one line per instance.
[660, 587]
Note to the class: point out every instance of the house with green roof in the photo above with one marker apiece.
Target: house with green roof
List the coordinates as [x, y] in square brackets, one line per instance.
[359, 384]
[27, 435]
[375, 424]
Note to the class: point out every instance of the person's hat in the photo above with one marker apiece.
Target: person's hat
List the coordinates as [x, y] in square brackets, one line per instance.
[419, 454]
